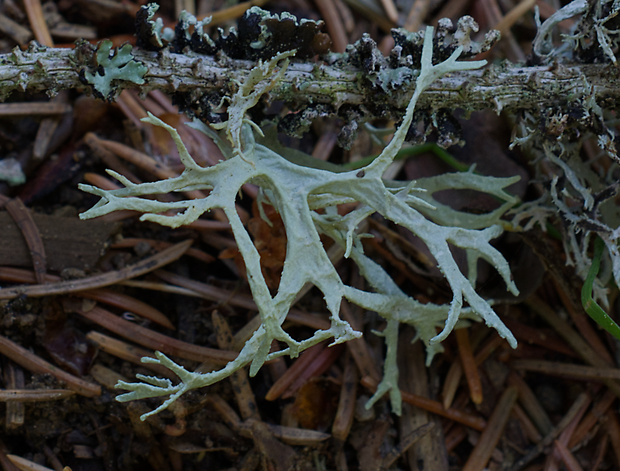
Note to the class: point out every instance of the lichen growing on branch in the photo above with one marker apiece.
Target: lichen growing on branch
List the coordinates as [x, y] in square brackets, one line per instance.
[307, 200]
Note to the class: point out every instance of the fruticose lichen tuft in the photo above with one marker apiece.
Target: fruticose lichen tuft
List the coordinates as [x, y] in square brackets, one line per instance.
[307, 199]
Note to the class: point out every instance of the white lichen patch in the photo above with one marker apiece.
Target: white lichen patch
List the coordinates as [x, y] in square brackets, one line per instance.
[306, 199]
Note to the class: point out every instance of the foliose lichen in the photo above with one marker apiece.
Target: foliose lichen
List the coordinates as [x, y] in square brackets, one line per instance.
[113, 66]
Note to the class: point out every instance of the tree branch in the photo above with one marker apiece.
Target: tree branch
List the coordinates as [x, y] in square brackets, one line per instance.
[336, 86]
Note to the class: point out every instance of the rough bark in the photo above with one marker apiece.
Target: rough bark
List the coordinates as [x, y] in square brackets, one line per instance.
[502, 86]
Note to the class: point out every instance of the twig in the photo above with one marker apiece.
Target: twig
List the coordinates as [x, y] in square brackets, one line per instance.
[527, 425]
[359, 349]
[226, 14]
[598, 412]
[545, 338]
[417, 14]
[23, 464]
[290, 435]
[334, 25]
[390, 10]
[451, 9]
[407, 442]
[127, 303]
[335, 85]
[453, 377]
[455, 436]
[132, 242]
[287, 379]
[601, 451]
[141, 160]
[318, 366]
[214, 293]
[15, 415]
[14, 30]
[563, 439]
[513, 15]
[5, 462]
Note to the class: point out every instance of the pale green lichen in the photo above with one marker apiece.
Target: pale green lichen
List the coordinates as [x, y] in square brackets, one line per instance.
[11, 172]
[120, 65]
[306, 198]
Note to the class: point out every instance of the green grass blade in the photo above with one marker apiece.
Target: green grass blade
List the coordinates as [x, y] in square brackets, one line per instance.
[595, 311]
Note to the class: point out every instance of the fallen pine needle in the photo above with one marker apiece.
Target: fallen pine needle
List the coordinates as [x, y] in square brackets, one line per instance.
[151, 339]
[26, 465]
[469, 366]
[112, 298]
[346, 403]
[99, 281]
[34, 395]
[33, 363]
[435, 407]
[493, 431]
[554, 368]
[567, 457]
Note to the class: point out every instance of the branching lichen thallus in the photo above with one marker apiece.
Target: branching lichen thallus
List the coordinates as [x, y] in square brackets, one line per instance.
[298, 193]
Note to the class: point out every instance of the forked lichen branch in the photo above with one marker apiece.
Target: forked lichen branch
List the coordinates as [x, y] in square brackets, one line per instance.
[307, 199]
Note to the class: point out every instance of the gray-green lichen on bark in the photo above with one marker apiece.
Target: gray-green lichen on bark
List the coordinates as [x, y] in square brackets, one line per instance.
[557, 101]
[353, 85]
[307, 200]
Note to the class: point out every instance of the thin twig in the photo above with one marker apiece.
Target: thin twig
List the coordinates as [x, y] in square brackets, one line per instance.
[336, 85]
